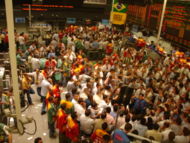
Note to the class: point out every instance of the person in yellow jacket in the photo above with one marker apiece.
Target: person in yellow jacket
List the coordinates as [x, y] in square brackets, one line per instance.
[69, 109]
[26, 88]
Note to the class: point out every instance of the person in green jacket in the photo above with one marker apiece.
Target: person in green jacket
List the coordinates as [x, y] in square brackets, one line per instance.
[52, 112]
[65, 41]
[5, 135]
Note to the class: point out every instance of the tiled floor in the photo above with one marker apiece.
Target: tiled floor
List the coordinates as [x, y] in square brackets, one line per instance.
[42, 127]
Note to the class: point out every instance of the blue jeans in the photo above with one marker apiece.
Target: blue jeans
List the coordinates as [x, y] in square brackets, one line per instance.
[51, 129]
[25, 91]
[38, 89]
[43, 103]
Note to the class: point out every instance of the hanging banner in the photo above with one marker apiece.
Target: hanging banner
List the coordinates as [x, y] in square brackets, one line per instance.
[118, 13]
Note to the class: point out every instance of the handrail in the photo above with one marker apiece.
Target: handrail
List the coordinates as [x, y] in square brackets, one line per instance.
[141, 138]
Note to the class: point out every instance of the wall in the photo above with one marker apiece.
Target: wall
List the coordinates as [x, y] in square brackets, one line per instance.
[21, 27]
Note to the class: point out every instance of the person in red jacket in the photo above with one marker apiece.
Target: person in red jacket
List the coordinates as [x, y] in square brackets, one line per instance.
[98, 135]
[61, 122]
[72, 130]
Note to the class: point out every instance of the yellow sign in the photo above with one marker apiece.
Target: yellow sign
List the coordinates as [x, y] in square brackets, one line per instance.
[118, 18]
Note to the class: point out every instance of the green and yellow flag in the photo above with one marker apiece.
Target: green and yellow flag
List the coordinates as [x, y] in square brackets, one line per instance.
[118, 13]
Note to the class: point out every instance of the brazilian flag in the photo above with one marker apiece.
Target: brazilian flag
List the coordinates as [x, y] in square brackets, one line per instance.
[118, 13]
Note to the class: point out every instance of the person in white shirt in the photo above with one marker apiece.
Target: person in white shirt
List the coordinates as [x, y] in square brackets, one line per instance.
[46, 86]
[94, 110]
[98, 96]
[84, 94]
[70, 85]
[86, 123]
[78, 108]
[32, 47]
[83, 77]
[103, 104]
[165, 131]
[141, 127]
[21, 39]
[38, 77]
[35, 62]
[185, 138]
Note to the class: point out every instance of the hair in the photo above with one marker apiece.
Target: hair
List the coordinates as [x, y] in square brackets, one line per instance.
[171, 136]
[104, 97]
[127, 118]
[68, 96]
[37, 139]
[104, 126]
[108, 109]
[145, 141]
[166, 115]
[135, 132]
[128, 127]
[115, 108]
[74, 91]
[94, 104]
[87, 112]
[143, 121]
[63, 106]
[156, 126]
[74, 116]
[166, 124]
[103, 116]
[178, 121]
[50, 99]
[186, 131]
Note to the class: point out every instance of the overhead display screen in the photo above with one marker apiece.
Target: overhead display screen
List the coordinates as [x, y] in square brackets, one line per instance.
[49, 2]
[71, 20]
[95, 2]
[63, 2]
[19, 20]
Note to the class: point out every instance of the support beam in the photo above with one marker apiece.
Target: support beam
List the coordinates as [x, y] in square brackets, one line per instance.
[12, 55]
[161, 21]
[30, 16]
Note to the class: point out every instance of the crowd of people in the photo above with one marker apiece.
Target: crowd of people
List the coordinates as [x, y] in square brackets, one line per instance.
[84, 99]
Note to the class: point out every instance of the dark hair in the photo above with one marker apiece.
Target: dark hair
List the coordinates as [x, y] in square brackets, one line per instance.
[145, 141]
[166, 124]
[74, 116]
[87, 112]
[37, 139]
[94, 104]
[103, 116]
[166, 115]
[178, 121]
[135, 132]
[74, 91]
[63, 106]
[108, 109]
[128, 127]
[104, 126]
[171, 136]
[127, 118]
[68, 96]
[186, 131]
[143, 121]
[149, 120]
[50, 99]
[104, 96]
[156, 126]
[115, 108]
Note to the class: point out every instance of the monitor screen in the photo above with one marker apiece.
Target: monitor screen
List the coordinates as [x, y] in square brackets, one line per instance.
[102, 2]
[71, 20]
[105, 21]
[19, 20]
[134, 28]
